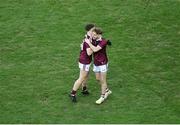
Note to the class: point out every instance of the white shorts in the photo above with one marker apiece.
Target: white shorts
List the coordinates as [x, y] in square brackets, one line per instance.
[102, 68]
[84, 67]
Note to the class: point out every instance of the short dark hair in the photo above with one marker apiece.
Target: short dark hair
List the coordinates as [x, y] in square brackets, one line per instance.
[89, 26]
[97, 30]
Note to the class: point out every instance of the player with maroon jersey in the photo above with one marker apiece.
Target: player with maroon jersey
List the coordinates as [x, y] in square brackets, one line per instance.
[98, 46]
[85, 59]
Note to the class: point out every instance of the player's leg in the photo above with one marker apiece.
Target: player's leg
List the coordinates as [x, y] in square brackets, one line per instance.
[104, 70]
[97, 73]
[85, 86]
[103, 88]
[96, 69]
[82, 76]
[98, 77]
[103, 81]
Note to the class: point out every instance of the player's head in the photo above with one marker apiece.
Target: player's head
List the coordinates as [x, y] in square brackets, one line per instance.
[96, 33]
[89, 26]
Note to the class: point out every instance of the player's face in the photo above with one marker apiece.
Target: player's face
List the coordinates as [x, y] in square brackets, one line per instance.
[90, 32]
[95, 35]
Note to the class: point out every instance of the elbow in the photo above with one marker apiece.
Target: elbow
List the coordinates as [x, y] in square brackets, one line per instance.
[89, 53]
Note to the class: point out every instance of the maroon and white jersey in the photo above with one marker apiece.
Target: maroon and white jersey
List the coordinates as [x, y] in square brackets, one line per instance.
[100, 57]
[84, 58]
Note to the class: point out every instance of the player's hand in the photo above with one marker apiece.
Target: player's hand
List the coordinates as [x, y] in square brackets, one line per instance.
[87, 41]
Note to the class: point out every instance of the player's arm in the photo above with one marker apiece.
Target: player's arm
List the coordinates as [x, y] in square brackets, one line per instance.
[94, 48]
[89, 51]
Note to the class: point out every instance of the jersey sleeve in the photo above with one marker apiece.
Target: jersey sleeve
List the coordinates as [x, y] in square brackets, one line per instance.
[86, 45]
[102, 43]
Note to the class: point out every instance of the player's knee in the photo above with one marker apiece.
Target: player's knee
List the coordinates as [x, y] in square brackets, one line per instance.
[98, 79]
[82, 79]
[102, 81]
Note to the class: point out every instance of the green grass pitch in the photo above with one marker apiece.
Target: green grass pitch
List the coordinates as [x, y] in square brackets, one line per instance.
[39, 49]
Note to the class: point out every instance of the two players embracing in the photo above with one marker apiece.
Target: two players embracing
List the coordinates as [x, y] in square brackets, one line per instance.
[93, 44]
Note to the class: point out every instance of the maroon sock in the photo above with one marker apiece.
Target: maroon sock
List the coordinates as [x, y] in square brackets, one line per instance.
[73, 92]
